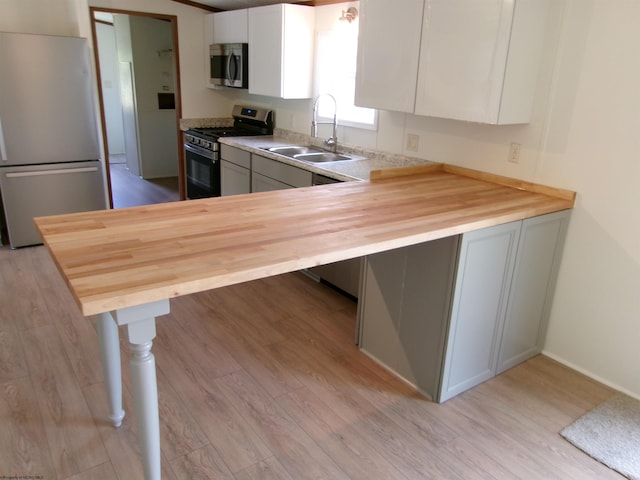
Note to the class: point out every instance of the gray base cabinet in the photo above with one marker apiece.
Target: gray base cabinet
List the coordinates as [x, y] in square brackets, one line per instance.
[404, 308]
[262, 183]
[532, 287]
[485, 266]
[449, 314]
[235, 171]
[243, 172]
[345, 274]
[235, 180]
[268, 175]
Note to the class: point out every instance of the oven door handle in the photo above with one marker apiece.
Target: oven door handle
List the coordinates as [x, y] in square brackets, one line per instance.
[201, 151]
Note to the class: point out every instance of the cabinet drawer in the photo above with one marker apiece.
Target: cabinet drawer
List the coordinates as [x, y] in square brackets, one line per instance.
[260, 183]
[294, 176]
[235, 155]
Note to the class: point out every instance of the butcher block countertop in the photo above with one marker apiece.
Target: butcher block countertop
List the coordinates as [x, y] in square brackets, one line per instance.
[113, 259]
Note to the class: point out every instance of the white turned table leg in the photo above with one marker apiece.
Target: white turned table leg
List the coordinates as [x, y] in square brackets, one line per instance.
[145, 394]
[141, 330]
[110, 356]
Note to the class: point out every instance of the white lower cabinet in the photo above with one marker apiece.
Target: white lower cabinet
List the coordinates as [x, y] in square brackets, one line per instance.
[449, 314]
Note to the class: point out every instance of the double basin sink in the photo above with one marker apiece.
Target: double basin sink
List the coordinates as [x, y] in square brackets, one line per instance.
[311, 154]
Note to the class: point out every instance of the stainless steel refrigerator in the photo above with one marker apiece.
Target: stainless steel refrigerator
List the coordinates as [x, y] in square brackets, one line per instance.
[49, 151]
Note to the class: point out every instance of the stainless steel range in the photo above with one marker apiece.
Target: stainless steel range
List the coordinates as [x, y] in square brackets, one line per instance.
[202, 150]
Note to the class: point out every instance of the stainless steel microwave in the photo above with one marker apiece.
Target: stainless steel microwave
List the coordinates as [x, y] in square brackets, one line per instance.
[229, 64]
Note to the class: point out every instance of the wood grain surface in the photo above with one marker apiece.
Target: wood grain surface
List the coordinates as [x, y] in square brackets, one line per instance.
[118, 258]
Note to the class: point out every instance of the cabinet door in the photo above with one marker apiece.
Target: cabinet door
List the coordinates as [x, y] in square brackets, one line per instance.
[388, 53]
[282, 172]
[260, 183]
[479, 60]
[231, 26]
[532, 287]
[235, 155]
[481, 290]
[380, 307]
[281, 50]
[234, 179]
[463, 55]
[265, 50]
[404, 307]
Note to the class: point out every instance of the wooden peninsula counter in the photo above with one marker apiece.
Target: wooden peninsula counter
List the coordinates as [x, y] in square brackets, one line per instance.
[124, 265]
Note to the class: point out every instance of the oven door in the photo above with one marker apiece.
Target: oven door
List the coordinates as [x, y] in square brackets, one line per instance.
[203, 172]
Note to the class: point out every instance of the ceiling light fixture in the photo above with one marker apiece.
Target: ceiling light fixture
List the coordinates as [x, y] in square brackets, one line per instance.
[350, 14]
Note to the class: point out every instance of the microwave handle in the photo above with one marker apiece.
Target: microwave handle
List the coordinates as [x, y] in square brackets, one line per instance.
[229, 59]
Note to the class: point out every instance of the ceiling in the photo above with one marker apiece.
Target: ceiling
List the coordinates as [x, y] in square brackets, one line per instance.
[237, 4]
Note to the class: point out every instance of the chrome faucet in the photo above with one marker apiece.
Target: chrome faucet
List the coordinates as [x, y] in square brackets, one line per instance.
[333, 140]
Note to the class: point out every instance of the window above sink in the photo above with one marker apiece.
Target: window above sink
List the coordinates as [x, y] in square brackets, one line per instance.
[335, 68]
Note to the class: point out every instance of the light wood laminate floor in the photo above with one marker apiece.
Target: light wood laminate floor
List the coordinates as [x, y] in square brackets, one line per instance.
[129, 190]
[262, 381]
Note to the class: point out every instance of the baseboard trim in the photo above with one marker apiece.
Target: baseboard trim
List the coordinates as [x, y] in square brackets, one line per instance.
[589, 374]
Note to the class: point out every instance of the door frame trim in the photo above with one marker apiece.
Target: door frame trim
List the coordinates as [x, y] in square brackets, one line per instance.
[177, 90]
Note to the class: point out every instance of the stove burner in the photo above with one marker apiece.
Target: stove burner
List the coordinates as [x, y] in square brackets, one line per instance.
[247, 121]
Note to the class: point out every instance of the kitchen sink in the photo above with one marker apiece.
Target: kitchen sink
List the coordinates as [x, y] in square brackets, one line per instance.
[310, 154]
[319, 157]
[292, 150]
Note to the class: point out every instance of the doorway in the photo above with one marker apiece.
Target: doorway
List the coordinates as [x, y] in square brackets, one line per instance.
[137, 62]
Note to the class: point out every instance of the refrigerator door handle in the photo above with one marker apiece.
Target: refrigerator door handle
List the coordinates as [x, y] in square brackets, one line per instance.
[3, 145]
[51, 172]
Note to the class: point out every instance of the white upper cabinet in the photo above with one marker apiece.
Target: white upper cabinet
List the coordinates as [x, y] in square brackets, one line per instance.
[388, 53]
[477, 60]
[281, 50]
[230, 27]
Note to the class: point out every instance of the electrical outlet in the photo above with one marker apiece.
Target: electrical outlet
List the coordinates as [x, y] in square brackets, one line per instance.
[514, 153]
[413, 142]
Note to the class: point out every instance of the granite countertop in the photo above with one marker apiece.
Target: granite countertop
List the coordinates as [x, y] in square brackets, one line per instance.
[348, 170]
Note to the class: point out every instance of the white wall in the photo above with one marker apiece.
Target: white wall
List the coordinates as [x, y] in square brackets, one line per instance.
[592, 146]
[39, 16]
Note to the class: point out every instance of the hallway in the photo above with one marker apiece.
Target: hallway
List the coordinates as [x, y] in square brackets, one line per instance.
[129, 190]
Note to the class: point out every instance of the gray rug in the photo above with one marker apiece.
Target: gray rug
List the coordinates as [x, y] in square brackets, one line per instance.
[610, 433]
